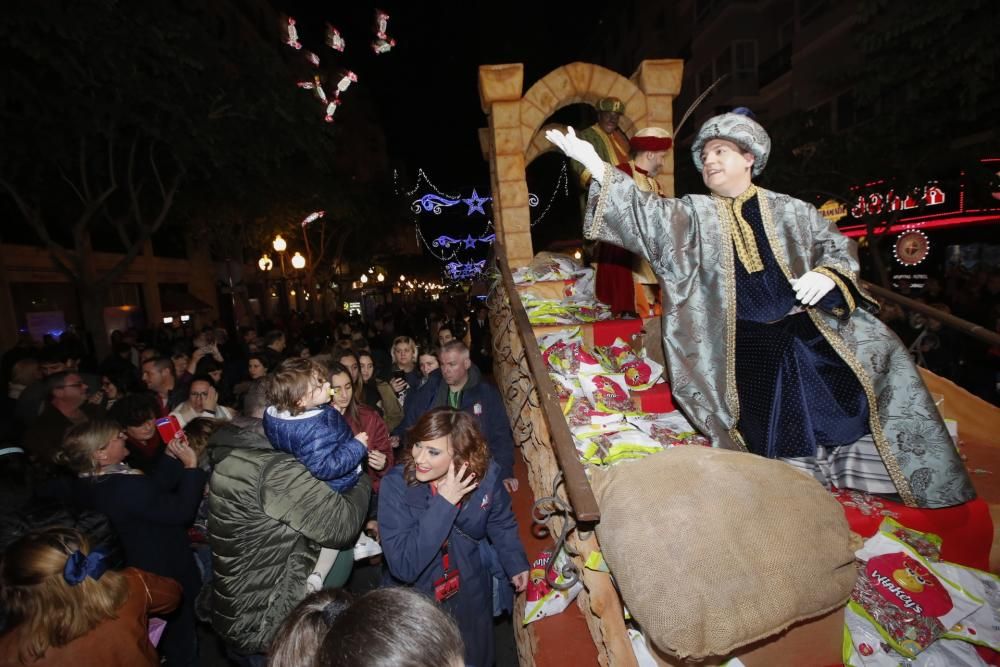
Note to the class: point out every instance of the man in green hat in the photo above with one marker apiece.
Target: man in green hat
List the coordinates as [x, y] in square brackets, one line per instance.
[772, 345]
[605, 136]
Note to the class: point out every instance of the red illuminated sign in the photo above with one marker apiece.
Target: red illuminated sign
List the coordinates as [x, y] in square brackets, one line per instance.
[876, 204]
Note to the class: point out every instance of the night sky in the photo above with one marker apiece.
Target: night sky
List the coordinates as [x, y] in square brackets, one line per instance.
[425, 90]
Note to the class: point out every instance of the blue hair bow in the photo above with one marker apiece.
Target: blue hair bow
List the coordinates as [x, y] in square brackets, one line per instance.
[79, 567]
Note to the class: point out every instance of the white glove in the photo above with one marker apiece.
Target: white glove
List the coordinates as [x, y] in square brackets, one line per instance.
[578, 149]
[812, 287]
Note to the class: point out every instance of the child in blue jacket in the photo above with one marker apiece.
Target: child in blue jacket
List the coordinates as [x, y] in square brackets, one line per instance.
[299, 420]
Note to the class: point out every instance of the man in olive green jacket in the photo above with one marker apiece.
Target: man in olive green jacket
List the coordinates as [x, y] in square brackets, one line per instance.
[268, 518]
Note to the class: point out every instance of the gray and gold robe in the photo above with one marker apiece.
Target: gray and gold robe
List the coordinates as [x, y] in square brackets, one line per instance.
[689, 244]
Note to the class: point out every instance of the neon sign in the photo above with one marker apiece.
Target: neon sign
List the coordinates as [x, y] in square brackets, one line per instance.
[876, 203]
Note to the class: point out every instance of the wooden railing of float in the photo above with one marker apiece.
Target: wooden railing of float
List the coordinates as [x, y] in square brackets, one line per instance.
[514, 343]
[565, 505]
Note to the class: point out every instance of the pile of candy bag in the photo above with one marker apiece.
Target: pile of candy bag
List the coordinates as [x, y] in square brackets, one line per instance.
[911, 608]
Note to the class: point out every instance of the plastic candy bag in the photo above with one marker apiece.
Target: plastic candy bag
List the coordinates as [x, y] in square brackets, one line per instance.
[864, 646]
[541, 599]
[908, 598]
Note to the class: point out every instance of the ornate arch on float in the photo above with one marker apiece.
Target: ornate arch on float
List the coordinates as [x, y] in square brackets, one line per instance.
[515, 136]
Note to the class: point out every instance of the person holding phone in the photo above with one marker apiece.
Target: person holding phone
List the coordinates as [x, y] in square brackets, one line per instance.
[405, 374]
[440, 513]
[150, 513]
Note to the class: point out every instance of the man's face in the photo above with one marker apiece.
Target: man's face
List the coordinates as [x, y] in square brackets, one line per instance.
[725, 168]
[279, 345]
[445, 336]
[199, 394]
[608, 120]
[51, 368]
[454, 368]
[73, 390]
[651, 161]
[153, 377]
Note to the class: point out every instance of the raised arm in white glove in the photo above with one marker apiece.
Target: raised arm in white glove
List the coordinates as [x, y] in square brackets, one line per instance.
[578, 149]
[812, 287]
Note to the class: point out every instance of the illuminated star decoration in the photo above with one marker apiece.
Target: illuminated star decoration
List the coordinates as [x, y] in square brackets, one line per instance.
[475, 203]
[315, 215]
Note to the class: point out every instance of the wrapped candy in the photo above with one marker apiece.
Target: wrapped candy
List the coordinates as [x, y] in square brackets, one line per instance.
[315, 215]
[334, 40]
[331, 108]
[291, 34]
[381, 46]
[347, 77]
[381, 24]
[312, 58]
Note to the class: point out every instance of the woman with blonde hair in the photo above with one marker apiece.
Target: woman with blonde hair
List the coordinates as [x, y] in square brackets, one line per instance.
[444, 515]
[65, 607]
[405, 373]
[150, 513]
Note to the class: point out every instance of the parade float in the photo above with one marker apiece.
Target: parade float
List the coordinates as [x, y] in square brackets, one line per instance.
[584, 403]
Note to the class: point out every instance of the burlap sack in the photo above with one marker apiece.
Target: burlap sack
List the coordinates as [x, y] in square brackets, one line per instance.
[715, 549]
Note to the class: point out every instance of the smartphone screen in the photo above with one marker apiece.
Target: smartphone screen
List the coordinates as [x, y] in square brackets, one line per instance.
[168, 427]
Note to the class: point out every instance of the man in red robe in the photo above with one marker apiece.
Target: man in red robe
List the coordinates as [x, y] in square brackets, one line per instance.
[615, 282]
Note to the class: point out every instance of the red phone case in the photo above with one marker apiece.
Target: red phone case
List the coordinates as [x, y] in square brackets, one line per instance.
[168, 427]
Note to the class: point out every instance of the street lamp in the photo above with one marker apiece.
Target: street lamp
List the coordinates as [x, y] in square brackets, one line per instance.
[279, 244]
[265, 263]
[364, 278]
[298, 261]
[380, 277]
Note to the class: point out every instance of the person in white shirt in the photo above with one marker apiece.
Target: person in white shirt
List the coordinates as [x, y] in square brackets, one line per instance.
[202, 401]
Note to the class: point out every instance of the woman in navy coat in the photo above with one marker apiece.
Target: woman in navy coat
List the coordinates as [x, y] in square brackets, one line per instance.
[434, 512]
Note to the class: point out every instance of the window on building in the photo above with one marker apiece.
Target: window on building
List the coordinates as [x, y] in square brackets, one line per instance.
[704, 79]
[744, 56]
[786, 33]
[702, 9]
[724, 62]
[851, 110]
[810, 10]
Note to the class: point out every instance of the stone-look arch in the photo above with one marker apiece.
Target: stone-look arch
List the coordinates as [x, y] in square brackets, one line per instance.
[515, 136]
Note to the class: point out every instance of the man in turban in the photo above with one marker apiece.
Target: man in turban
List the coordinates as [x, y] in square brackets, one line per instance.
[772, 346]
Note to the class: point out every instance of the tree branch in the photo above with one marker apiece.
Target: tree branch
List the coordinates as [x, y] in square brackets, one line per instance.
[33, 218]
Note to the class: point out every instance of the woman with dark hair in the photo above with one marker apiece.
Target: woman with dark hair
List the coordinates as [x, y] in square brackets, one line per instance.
[256, 369]
[362, 419]
[377, 393]
[67, 608]
[151, 513]
[390, 627]
[137, 414]
[428, 362]
[440, 513]
[113, 388]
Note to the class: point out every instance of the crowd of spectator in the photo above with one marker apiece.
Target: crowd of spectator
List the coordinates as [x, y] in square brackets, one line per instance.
[945, 350]
[235, 478]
